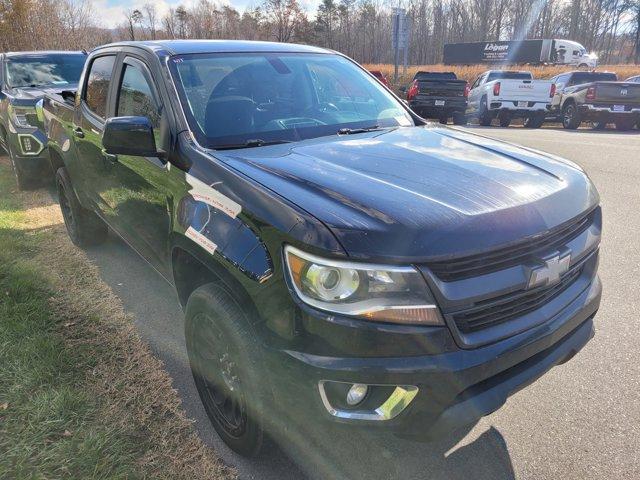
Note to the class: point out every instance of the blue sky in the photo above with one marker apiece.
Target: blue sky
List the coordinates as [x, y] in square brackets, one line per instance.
[110, 12]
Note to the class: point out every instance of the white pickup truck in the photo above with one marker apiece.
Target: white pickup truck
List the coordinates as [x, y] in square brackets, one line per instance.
[507, 95]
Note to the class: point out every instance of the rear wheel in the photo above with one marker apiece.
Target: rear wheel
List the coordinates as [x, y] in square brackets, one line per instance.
[505, 119]
[624, 124]
[571, 117]
[459, 118]
[599, 125]
[484, 116]
[534, 121]
[226, 366]
[84, 227]
[443, 120]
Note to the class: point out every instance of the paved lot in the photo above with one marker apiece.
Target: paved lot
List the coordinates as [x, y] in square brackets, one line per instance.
[580, 421]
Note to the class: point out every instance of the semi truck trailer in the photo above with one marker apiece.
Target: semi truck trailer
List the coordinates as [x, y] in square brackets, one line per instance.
[542, 51]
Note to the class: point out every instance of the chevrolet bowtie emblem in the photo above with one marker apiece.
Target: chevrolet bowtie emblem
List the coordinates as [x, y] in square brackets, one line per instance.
[549, 273]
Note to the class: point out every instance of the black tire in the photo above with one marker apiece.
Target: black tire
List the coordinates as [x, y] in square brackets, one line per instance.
[443, 120]
[533, 121]
[84, 227]
[459, 118]
[505, 119]
[571, 116]
[484, 115]
[23, 180]
[624, 124]
[226, 366]
[599, 125]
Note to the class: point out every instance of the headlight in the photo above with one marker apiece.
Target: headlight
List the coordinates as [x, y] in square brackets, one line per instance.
[24, 117]
[380, 293]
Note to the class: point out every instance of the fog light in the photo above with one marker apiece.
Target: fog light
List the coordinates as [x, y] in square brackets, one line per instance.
[356, 393]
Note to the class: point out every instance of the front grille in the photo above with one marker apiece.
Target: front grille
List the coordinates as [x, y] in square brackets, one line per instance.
[508, 307]
[516, 254]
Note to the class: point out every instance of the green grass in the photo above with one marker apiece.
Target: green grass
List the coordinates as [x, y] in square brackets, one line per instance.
[50, 423]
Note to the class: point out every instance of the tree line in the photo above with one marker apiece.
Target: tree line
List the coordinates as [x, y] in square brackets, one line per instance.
[359, 28]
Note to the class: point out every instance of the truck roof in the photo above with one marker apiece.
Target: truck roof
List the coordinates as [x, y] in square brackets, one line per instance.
[180, 47]
[40, 53]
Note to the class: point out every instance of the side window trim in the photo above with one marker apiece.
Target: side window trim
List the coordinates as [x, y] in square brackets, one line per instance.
[140, 65]
[83, 98]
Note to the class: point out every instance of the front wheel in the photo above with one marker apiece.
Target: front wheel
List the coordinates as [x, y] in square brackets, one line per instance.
[226, 366]
[84, 227]
[505, 119]
[534, 121]
[23, 180]
[459, 118]
[571, 117]
[624, 124]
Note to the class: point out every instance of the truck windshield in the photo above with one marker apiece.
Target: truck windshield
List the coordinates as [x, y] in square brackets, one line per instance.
[257, 99]
[40, 70]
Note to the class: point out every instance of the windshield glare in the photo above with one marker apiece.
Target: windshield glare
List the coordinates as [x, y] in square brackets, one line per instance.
[34, 71]
[237, 98]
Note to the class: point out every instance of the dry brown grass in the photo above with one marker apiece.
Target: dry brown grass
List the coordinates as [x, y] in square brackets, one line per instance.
[135, 391]
[470, 72]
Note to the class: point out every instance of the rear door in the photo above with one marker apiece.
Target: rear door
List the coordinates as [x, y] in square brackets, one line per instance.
[89, 172]
[140, 197]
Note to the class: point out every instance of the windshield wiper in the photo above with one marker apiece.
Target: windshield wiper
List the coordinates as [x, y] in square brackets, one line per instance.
[256, 142]
[351, 131]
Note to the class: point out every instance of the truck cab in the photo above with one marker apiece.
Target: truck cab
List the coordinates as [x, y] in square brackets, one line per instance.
[568, 52]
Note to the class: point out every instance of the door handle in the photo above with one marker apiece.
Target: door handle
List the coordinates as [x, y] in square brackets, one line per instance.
[78, 132]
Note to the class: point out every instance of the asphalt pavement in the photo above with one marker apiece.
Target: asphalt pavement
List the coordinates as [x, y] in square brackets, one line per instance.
[580, 421]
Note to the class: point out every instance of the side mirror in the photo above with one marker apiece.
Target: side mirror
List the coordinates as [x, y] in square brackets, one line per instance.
[129, 136]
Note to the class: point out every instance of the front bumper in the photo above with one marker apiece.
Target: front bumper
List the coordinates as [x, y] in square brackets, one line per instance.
[455, 388]
[29, 150]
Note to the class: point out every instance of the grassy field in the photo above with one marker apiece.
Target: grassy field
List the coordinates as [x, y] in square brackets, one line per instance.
[81, 397]
[470, 72]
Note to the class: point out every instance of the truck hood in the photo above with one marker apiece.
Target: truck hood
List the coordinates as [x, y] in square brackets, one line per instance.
[27, 95]
[422, 192]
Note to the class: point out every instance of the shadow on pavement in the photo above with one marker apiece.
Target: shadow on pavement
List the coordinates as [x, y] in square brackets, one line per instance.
[159, 319]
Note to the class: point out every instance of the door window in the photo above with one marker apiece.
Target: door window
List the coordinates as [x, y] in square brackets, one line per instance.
[136, 98]
[97, 89]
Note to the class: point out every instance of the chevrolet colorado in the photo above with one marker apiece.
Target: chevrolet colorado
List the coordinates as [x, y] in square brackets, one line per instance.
[24, 77]
[343, 266]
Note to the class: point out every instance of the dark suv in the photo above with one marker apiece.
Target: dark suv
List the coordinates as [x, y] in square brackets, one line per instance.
[24, 77]
[343, 266]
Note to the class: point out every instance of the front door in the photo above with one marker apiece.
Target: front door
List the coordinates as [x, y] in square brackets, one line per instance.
[141, 197]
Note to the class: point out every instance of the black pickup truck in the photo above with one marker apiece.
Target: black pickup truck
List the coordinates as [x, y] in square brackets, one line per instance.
[597, 97]
[24, 78]
[346, 268]
[439, 95]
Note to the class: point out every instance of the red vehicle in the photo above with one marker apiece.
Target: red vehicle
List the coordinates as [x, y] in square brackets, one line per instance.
[380, 76]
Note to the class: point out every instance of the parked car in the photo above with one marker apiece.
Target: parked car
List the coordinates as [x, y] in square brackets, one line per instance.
[380, 76]
[343, 265]
[24, 77]
[439, 95]
[506, 95]
[597, 97]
